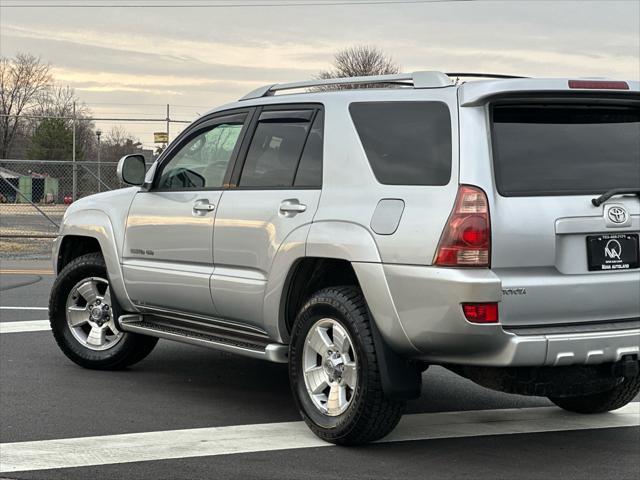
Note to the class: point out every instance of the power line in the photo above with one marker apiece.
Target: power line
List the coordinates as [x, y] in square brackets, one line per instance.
[208, 4]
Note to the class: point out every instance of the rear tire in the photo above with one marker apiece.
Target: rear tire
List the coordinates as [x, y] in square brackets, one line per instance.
[83, 315]
[602, 402]
[339, 391]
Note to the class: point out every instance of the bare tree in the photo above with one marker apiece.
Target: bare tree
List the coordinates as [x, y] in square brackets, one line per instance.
[359, 61]
[58, 101]
[119, 142]
[21, 79]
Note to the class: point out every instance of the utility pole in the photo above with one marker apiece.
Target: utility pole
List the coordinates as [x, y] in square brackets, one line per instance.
[98, 134]
[168, 122]
[74, 193]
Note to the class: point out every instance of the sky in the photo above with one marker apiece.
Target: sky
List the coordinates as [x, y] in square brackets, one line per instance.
[131, 62]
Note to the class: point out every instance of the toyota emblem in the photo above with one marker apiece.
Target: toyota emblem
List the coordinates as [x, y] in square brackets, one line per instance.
[617, 215]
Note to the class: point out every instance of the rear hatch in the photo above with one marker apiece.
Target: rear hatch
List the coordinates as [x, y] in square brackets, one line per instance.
[562, 260]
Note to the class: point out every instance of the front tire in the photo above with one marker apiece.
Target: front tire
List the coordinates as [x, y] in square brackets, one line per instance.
[83, 313]
[334, 372]
[602, 402]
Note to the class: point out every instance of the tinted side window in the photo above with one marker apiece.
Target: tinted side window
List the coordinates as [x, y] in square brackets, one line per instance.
[407, 143]
[275, 150]
[309, 172]
[202, 162]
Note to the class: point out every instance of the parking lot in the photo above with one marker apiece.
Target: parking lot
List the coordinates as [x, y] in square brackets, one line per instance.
[187, 412]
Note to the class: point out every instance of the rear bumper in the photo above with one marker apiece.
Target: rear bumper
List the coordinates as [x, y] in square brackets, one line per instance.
[427, 302]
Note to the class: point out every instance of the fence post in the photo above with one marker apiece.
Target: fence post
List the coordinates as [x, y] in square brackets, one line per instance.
[74, 194]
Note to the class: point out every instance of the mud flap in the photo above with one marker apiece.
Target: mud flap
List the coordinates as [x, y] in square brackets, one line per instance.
[401, 380]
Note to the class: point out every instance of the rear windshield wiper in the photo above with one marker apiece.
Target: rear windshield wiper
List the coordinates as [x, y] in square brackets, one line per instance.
[611, 193]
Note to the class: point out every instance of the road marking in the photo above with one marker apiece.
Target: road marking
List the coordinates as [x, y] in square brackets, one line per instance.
[25, 326]
[203, 442]
[24, 308]
[15, 271]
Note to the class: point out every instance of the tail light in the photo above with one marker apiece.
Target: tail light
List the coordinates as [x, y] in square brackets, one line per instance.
[598, 84]
[466, 239]
[481, 312]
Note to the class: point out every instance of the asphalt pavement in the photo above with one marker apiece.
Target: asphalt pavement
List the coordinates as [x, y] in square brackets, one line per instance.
[196, 413]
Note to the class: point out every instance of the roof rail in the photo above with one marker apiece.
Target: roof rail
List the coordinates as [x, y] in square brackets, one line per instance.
[426, 79]
[482, 75]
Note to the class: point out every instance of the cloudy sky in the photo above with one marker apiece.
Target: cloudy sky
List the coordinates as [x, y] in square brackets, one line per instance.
[130, 61]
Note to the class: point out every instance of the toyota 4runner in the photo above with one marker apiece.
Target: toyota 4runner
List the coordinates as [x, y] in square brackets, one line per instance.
[363, 234]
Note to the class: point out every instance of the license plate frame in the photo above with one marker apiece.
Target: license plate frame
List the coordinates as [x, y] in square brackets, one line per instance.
[613, 252]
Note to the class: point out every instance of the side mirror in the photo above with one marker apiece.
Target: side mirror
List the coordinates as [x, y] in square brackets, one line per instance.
[132, 169]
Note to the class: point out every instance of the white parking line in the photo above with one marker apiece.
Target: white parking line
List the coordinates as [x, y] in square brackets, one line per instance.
[25, 326]
[24, 308]
[201, 442]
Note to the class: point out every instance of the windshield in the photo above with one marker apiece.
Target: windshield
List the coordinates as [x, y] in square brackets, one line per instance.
[565, 149]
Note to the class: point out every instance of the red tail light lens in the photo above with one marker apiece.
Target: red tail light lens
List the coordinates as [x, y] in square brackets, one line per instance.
[466, 239]
[481, 312]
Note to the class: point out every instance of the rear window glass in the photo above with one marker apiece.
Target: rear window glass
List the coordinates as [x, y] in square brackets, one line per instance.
[407, 143]
[565, 149]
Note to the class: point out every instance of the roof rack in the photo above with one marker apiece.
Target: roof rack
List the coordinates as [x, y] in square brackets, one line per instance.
[415, 80]
[424, 79]
[482, 75]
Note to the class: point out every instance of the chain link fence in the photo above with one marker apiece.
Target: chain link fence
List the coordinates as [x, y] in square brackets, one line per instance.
[34, 194]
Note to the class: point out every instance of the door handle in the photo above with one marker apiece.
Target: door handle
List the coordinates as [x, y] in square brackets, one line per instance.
[203, 206]
[292, 207]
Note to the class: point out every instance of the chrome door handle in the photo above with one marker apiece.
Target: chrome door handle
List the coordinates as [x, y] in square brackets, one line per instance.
[292, 206]
[203, 207]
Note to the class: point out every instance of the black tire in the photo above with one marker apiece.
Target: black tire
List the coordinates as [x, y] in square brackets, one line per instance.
[602, 402]
[130, 349]
[370, 415]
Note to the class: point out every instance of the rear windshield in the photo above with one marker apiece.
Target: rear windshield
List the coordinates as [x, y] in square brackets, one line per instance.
[407, 143]
[555, 149]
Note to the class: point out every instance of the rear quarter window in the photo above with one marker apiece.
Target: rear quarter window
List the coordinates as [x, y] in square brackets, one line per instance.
[406, 143]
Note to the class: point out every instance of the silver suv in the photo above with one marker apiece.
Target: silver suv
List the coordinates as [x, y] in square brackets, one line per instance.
[363, 234]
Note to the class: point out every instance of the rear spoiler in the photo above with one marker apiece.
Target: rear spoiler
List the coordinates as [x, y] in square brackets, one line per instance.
[476, 93]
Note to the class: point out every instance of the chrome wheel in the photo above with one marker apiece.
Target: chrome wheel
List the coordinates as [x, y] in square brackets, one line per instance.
[90, 316]
[330, 367]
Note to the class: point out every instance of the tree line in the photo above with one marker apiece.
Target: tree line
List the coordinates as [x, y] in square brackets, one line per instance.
[35, 112]
[36, 117]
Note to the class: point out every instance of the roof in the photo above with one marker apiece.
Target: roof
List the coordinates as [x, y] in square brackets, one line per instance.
[6, 173]
[470, 93]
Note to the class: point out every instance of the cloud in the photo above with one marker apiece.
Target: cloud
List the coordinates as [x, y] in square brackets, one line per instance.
[264, 55]
[208, 57]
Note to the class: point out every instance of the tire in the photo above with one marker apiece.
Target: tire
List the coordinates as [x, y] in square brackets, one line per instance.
[88, 274]
[367, 415]
[602, 402]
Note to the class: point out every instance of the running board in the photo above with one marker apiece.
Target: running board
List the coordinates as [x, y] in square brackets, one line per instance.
[217, 339]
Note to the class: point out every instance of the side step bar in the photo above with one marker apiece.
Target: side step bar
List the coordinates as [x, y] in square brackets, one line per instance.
[217, 339]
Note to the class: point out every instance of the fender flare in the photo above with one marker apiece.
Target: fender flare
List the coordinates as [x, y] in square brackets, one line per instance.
[96, 224]
[342, 241]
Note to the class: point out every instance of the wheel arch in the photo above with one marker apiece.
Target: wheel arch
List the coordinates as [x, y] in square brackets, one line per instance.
[88, 231]
[74, 246]
[336, 253]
